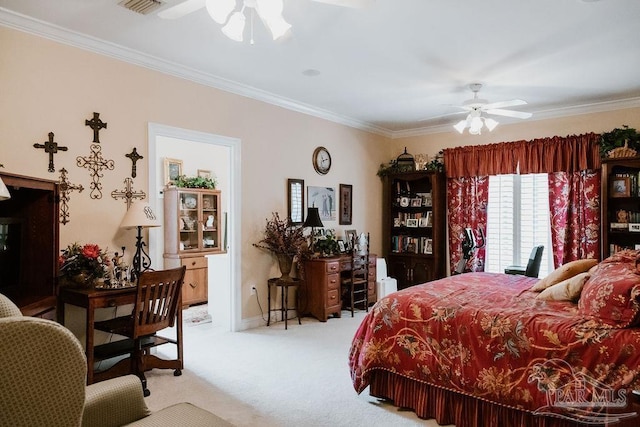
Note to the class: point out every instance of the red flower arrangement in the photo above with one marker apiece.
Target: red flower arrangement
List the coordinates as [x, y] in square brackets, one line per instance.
[88, 260]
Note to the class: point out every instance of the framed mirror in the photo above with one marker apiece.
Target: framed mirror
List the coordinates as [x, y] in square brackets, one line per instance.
[295, 200]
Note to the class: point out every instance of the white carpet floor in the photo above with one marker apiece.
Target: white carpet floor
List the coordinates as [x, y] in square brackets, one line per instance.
[270, 376]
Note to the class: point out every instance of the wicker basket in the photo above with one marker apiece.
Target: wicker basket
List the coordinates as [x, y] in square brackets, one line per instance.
[620, 152]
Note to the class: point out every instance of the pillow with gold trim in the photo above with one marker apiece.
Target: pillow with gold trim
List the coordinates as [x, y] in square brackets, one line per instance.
[564, 272]
[567, 290]
[612, 293]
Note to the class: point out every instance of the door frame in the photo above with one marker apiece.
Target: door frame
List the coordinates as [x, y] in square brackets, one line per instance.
[156, 130]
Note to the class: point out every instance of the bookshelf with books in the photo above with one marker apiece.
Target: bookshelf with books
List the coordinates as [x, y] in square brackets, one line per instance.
[620, 204]
[413, 226]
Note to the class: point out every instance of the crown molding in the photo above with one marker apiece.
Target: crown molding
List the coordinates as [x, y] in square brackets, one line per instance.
[56, 33]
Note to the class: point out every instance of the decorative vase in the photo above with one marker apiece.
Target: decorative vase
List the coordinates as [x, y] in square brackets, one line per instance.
[285, 263]
[82, 280]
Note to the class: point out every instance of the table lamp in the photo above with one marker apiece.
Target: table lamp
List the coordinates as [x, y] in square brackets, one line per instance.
[140, 215]
[313, 221]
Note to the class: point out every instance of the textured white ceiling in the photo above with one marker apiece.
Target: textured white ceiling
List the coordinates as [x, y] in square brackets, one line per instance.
[392, 67]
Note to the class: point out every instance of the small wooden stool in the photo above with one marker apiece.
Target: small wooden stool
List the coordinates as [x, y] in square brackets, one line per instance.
[284, 298]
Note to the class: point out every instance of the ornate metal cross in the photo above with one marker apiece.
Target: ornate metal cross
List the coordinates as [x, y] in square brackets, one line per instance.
[96, 124]
[128, 194]
[65, 188]
[50, 147]
[134, 156]
[96, 164]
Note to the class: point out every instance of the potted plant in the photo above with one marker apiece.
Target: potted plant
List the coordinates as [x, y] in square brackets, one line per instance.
[286, 242]
[83, 265]
[620, 142]
[326, 244]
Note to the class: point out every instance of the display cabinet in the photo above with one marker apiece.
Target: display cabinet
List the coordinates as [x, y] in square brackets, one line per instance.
[192, 229]
[620, 204]
[414, 226]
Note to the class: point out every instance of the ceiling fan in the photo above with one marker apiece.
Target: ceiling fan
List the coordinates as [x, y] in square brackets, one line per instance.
[476, 106]
[224, 12]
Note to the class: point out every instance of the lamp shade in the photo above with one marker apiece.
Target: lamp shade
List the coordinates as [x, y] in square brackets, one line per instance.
[140, 215]
[4, 191]
[313, 218]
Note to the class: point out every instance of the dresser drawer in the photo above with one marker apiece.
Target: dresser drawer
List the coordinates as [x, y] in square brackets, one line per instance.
[191, 263]
[333, 267]
[333, 281]
[333, 298]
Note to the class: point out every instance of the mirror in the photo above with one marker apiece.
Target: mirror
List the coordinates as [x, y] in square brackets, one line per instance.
[296, 200]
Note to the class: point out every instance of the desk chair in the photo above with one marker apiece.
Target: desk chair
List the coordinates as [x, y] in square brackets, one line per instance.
[355, 285]
[533, 266]
[156, 307]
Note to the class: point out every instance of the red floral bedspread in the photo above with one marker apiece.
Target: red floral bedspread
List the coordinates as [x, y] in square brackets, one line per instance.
[486, 335]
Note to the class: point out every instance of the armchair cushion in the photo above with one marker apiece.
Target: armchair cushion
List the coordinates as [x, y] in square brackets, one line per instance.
[115, 402]
[8, 308]
[183, 415]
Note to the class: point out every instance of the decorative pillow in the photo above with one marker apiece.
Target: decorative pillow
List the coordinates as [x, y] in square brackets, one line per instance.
[567, 290]
[564, 272]
[612, 293]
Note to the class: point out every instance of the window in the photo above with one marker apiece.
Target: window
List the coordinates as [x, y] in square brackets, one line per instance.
[517, 220]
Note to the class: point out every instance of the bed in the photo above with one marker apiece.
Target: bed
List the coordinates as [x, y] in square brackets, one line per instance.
[480, 349]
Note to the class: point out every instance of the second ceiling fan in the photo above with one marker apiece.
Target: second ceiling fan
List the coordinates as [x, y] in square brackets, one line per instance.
[476, 106]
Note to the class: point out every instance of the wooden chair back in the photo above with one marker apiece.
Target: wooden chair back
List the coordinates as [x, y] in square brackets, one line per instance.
[157, 300]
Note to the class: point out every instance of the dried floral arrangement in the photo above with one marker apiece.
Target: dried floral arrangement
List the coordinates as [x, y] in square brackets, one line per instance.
[282, 238]
[88, 260]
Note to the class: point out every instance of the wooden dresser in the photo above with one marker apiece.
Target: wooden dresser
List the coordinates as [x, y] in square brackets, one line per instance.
[320, 296]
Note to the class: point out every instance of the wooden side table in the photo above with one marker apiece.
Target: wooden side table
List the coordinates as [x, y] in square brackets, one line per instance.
[284, 298]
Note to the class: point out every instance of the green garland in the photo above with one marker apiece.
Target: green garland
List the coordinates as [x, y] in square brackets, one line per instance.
[195, 182]
[617, 138]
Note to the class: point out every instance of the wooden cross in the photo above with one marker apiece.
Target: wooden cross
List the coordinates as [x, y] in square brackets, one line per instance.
[128, 194]
[51, 148]
[96, 124]
[134, 156]
[96, 164]
[65, 188]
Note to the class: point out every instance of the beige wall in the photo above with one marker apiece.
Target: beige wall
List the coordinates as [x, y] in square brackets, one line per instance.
[50, 87]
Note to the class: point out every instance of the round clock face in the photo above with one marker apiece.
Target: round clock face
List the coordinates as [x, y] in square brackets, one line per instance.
[321, 160]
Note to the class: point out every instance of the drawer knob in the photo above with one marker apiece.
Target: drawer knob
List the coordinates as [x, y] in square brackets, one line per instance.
[193, 263]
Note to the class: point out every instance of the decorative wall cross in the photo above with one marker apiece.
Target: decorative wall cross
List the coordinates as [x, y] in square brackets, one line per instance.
[134, 156]
[96, 164]
[96, 124]
[128, 194]
[65, 188]
[50, 147]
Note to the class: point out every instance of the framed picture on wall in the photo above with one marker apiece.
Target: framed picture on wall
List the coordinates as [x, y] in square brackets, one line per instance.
[323, 198]
[346, 198]
[172, 170]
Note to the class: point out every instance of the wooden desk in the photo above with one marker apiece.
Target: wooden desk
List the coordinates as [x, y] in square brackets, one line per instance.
[91, 299]
[320, 294]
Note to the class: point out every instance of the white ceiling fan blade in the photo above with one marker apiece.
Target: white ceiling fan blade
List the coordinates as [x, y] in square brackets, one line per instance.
[443, 115]
[181, 9]
[356, 4]
[509, 113]
[503, 104]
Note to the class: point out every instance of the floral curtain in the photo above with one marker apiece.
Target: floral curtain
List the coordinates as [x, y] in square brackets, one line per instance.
[573, 164]
[574, 200]
[467, 204]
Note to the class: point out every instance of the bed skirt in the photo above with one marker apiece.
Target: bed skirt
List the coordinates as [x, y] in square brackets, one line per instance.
[448, 407]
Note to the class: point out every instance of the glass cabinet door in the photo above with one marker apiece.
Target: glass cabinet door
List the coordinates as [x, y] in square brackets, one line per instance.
[210, 233]
[189, 221]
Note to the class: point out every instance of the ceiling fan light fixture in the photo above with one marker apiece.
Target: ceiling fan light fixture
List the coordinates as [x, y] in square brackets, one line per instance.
[219, 10]
[278, 27]
[490, 124]
[460, 126]
[235, 26]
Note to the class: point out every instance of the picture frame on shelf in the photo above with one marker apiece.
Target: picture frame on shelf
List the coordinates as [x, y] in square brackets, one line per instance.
[426, 199]
[428, 247]
[429, 218]
[349, 235]
[412, 222]
[416, 202]
[172, 170]
[341, 246]
[203, 173]
[621, 187]
[346, 204]
[422, 222]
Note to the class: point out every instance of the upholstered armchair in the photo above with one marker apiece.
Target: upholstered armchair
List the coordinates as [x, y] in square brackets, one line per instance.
[43, 376]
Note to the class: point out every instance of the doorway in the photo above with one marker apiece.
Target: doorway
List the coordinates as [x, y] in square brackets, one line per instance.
[221, 156]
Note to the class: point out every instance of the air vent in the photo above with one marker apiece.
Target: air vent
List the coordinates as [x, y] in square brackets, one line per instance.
[143, 7]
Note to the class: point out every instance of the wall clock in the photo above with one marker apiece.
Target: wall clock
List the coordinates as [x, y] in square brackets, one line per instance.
[321, 160]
